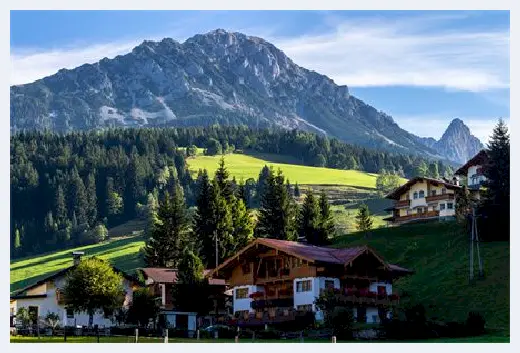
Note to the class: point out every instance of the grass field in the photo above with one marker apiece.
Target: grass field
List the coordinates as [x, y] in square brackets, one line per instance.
[242, 166]
[492, 338]
[439, 253]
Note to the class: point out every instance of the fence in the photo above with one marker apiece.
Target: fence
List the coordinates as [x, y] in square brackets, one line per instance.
[147, 335]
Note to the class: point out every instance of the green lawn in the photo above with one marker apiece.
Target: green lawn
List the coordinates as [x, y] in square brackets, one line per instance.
[122, 252]
[438, 253]
[20, 339]
[244, 166]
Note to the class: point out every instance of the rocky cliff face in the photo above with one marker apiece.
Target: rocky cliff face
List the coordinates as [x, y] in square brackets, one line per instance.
[219, 77]
[457, 143]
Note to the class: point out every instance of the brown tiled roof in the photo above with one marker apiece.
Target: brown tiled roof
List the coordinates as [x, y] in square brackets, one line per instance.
[169, 275]
[314, 253]
[479, 159]
[403, 188]
[311, 253]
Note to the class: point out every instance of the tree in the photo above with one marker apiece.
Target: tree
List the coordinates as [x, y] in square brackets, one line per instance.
[79, 199]
[386, 182]
[191, 292]
[23, 317]
[93, 286]
[114, 202]
[91, 199]
[151, 218]
[363, 219]
[222, 227]
[98, 234]
[60, 206]
[421, 170]
[326, 229]
[213, 147]
[243, 226]
[464, 206]
[169, 234]
[191, 151]
[261, 185]
[497, 172]
[52, 320]
[277, 213]
[203, 220]
[222, 178]
[308, 223]
[144, 307]
[296, 190]
[433, 170]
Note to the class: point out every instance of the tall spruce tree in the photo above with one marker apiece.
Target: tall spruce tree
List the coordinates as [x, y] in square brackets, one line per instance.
[60, 207]
[327, 228]
[309, 220]
[222, 178]
[222, 227]
[243, 226]
[363, 219]
[497, 196]
[277, 213]
[169, 235]
[78, 199]
[91, 199]
[203, 220]
[261, 185]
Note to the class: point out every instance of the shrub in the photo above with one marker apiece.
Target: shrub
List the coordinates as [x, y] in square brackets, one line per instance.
[475, 323]
[342, 322]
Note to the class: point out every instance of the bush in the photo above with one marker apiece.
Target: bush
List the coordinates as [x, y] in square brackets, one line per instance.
[342, 322]
[475, 324]
[269, 334]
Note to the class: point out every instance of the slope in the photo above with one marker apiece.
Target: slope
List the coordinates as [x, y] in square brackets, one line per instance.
[439, 254]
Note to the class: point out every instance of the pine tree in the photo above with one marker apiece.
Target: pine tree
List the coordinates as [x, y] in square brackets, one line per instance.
[169, 234]
[433, 170]
[203, 220]
[222, 178]
[277, 213]
[152, 218]
[421, 170]
[60, 206]
[79, 199]
[262, 182]
[297, 190]
[497, 171]
[363, 219]
[114, 202]
[327, 229]
[309, 220]
[91, 199]
[464, 206]
[222, 227]
[242, 224]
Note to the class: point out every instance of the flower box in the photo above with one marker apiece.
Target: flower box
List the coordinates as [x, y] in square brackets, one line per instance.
[256, 295]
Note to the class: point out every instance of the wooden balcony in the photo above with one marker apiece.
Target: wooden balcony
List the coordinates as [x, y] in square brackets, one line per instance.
[402, 204]
[440, 197]
[270, 316]
[416, 217]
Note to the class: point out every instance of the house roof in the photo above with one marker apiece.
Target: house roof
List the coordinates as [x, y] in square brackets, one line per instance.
[404, 188]
[479, 159]
[310, 253]
[19, 293]
[169, 275]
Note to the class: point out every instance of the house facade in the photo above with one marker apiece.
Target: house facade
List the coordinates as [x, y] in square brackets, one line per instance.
[276, 281]
[161, 282]
[46, 296]
[423, 199]
[473, 172]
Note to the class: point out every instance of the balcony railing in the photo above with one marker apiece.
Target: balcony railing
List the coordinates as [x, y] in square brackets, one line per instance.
[417, 216]
[402, 203]
[440, 197]
[364, 297]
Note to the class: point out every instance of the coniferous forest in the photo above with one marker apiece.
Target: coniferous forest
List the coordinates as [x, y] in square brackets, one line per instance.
[67, 189]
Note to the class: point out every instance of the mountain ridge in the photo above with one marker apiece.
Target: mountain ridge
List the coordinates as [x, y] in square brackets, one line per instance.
[219, 77]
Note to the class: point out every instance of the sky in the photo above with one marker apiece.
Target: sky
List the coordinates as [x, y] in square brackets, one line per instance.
[423, 68]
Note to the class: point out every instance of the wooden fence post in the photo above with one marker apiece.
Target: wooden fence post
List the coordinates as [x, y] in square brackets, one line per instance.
[333, 339]
[166, 336]
[136, 338]
[198, 335]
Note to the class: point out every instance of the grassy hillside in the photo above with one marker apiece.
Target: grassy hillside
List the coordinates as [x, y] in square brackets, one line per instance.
[439, 254]
[247, 166]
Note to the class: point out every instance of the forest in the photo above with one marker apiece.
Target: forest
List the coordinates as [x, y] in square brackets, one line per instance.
[67, 189]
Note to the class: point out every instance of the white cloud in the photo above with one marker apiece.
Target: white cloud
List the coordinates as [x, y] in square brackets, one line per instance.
[434, 125]
[407, 53]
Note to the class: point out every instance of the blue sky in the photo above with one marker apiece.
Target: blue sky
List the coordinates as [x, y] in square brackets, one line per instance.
[423, 68]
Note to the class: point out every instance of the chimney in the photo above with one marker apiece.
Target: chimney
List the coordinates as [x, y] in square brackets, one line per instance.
[76, 255]
[456, 181]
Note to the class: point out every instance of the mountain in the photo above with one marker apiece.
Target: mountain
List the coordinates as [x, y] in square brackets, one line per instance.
[219, 77]
[456, 144]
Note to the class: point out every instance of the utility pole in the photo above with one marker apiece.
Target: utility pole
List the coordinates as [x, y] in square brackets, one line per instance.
[216, 248]
[474, 239]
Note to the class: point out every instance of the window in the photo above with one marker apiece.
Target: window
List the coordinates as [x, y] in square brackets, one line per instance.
[241, 293]
[421, 194]
[443, 206]
[306, 307]
[434, 192]
[443, 191]
[415, 195]
[70, 314]
[304, 286]
[329, 283]
[450, 206]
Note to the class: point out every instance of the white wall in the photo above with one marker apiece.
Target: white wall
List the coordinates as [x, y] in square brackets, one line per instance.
[373, 287]
[50, 304]
[473, 170]
[308, 298]
[244, 303]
